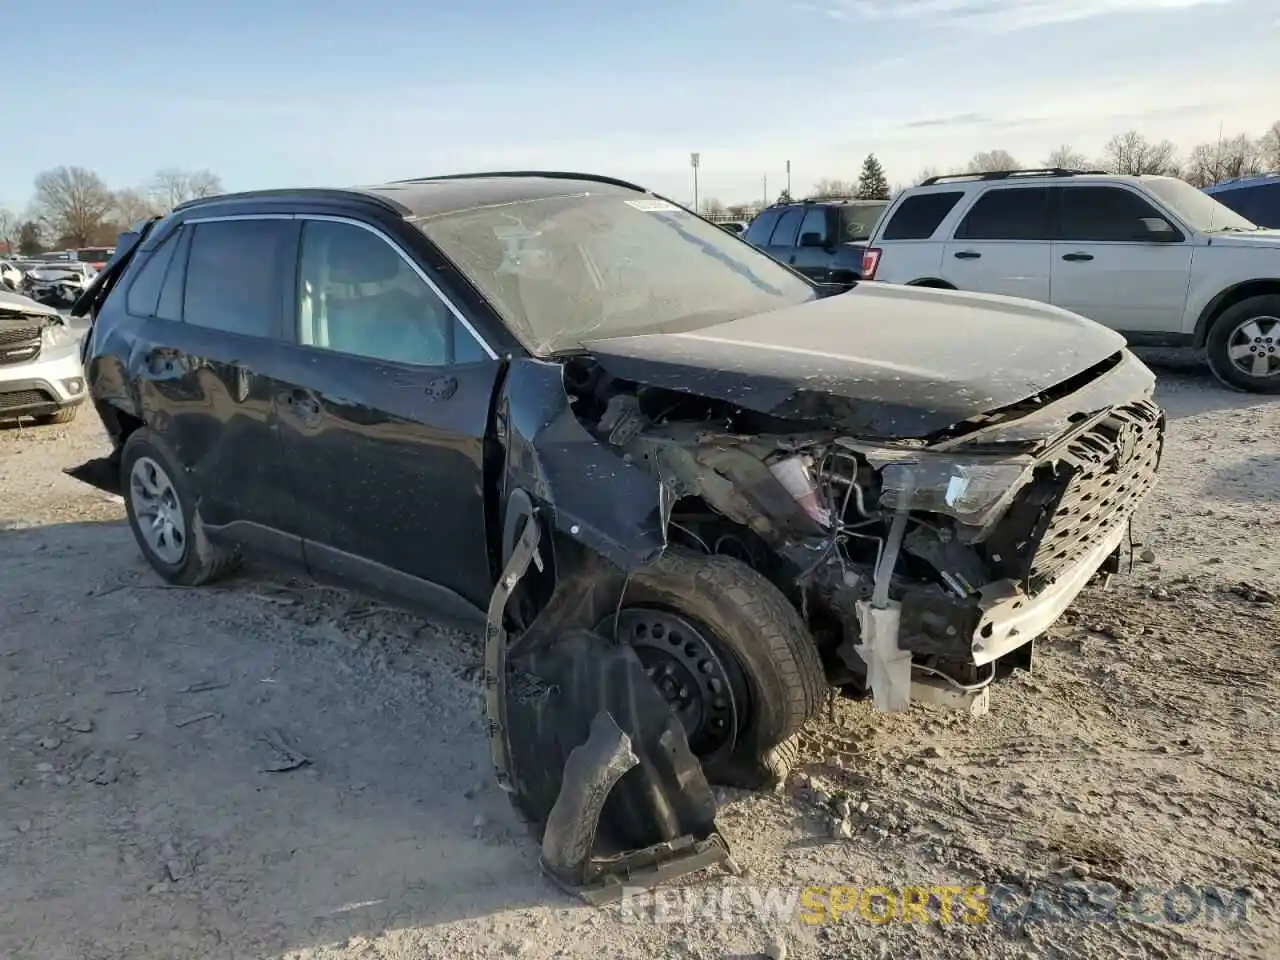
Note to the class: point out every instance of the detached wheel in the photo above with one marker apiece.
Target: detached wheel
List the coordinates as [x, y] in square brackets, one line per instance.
[732, 658]
[160, 503]
[1243, 348]
[65, 415]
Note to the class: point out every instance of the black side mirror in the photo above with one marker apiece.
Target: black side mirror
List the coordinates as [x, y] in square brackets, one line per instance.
[1158, 230]
[812, 239]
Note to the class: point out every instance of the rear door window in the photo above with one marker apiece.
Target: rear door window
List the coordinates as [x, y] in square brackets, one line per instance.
[1017, 213]
[1103, 214]
[917, 217]
[816, 221]
[788, 228]
[233, 276]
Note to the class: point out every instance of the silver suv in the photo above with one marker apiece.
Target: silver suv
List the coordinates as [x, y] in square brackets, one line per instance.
[1151, 257]
[41, 375]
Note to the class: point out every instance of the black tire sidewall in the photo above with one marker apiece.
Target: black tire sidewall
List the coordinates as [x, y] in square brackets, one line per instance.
[693, 586]
[145, 443]
[1219, 340]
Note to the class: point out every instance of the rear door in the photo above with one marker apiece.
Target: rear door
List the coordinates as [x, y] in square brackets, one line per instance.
[207, 310]
[1003, 244]
[383, 410]
[1106, 266]
[818, 228]
[786, 234]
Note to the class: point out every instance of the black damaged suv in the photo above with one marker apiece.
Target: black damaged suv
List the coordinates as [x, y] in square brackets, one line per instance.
[766, 487]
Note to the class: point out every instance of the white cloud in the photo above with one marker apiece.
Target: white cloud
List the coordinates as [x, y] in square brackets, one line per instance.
[988, 16]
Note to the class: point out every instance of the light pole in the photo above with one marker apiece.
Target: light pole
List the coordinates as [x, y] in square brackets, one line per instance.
[694, 159]
[788, 179]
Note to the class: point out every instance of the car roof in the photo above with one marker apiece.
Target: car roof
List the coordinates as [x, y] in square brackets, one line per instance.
[427, 197]
[1240, 183]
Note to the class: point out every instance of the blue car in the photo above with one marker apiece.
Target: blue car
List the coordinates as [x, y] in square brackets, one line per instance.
[1254, 198]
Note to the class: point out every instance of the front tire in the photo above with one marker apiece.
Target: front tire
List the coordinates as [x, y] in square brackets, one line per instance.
[1243, 348]
[161, 505]
[65, 415]
[730, 639]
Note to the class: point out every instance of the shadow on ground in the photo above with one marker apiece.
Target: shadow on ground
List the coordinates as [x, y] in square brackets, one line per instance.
[132, 718]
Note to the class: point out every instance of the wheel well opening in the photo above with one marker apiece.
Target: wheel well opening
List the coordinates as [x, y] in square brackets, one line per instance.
[933, 283]
[1228, 299]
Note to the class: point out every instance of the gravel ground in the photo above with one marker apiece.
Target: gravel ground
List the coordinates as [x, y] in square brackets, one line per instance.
[137, 819]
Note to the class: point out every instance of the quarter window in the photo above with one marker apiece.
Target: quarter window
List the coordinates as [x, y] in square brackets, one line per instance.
[918, 216]
[1019, 213]
[784, 234]
[144, 292]
[232, 275]
[358, 295]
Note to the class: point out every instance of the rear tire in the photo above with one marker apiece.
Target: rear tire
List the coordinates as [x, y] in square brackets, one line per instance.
[65, 415]
[749, 621]
[159, 496]
[1245, 334]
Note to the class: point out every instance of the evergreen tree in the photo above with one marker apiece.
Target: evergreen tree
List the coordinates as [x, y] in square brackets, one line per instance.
[872, 184]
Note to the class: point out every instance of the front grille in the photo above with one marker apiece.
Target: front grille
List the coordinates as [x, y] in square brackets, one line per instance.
[17, 399]
[1079, 497]
[19, 346]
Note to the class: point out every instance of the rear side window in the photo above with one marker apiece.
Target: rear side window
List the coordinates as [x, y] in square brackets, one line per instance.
[788, 228]
[816, 221]
[761, 227]
[918, 216]
[1020, 213]
[1103, 214]
[232, 276]
[144, 292]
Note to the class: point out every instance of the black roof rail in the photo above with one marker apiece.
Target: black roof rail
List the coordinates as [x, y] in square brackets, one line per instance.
[1007, 174]
[550, 174]
[312, 193]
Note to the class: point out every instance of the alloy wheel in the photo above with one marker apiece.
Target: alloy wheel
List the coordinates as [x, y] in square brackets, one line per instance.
[157, 510]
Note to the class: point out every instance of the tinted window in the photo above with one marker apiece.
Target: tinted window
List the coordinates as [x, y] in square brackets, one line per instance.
[1103, 213]
[232, 273]
[170, 306]
[358, 295]
[815, 221]
[1010, 214]
[918, 216]
[761, 227]
[788, 228]
[857, 220]
[145, 289]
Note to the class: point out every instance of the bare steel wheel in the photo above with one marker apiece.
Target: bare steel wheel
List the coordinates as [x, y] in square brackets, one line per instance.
[1243, 348]
[700, 681]
[159, 512]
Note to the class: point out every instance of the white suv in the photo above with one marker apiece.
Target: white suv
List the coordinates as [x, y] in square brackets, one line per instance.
[1151, 257]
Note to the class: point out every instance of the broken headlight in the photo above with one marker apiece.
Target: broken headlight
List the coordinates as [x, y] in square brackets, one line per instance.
[974, 492]
[57, 334]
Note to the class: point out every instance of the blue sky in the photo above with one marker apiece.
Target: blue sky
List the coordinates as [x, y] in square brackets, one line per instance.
[280, 92]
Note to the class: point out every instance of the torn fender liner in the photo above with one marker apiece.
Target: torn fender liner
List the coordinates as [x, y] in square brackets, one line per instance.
[593, 757]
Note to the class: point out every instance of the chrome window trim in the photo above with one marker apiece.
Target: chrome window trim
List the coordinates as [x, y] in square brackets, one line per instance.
[390, 241]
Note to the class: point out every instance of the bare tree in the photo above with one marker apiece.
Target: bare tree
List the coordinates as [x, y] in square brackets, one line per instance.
[8, 229]
[133, 205]
[1066, 157]
[1238, 156]
[834, 188]
[1133, 154]
[172, 186]
[1270, 147]
[989, 161]
[74, 202]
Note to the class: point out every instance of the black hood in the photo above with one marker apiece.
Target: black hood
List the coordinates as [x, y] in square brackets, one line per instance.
[882, 361]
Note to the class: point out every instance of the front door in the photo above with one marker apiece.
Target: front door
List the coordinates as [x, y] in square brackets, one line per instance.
[383, 410]
[1002, 244]
[1107, 268]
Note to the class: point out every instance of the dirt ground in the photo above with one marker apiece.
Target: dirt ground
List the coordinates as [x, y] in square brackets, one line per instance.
[137, 820]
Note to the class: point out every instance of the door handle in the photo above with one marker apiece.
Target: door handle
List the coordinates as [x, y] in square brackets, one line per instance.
[441, 388]
[967, 255]
[306, 403]
[1074, 257]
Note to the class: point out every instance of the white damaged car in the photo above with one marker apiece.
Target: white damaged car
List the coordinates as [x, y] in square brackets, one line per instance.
[41, 376]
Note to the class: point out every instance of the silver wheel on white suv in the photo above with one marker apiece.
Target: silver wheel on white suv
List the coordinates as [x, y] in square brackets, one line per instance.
[1243, 348]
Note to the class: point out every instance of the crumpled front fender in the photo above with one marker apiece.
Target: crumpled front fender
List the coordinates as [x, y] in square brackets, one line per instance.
[588, 491]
